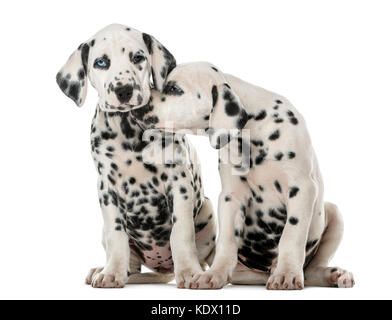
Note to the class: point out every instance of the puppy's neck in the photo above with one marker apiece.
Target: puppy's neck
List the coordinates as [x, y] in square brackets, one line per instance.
[119, 122]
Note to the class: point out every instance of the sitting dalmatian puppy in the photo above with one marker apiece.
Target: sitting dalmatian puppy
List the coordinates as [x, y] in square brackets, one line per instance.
[275, 227]
[155, 214]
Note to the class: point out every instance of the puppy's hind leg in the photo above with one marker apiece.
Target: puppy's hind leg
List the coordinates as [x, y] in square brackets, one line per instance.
[150, 278]
[249, 277]
[136, 277]
[318, 273]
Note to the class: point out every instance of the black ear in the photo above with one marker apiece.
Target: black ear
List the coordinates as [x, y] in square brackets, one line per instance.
[228, 116]
[161, 60]
[72, 78]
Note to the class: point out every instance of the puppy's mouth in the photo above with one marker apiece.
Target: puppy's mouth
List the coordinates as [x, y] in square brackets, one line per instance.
[126, 107]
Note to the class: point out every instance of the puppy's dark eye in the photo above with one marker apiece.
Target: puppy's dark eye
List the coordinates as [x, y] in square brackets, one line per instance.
[102, 63]
[176, 90]
[173, 89]
[138, 58]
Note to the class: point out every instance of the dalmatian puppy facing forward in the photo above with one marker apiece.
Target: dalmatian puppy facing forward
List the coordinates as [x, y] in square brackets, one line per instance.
[275, 227]
[155, 213]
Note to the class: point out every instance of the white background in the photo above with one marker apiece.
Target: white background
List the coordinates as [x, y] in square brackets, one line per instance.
[332, 59]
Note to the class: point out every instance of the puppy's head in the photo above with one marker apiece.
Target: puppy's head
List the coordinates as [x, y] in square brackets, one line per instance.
[196, 97]
[119, 61]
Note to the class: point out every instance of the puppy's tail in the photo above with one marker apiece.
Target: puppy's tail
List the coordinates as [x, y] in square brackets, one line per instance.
[149, 278]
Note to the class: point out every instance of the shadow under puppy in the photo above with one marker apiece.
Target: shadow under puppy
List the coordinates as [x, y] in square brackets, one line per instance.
[275, 227]
[155, 214]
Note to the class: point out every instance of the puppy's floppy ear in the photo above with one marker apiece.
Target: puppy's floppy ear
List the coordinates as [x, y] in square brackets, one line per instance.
[228, 116]
[72, 78]
[162, 61]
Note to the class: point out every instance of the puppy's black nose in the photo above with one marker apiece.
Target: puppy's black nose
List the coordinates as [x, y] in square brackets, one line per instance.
[124, 93]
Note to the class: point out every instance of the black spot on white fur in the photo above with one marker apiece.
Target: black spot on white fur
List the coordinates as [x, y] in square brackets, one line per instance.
[293, 192]
[293, 220]
[214, 93]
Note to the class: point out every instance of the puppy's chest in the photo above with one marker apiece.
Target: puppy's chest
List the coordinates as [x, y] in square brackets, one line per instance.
[264, 219]
[141, 191]
[117, 145]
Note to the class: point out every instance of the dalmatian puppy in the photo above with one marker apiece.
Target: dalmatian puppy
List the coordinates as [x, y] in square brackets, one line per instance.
[155, 213]
[275, 227]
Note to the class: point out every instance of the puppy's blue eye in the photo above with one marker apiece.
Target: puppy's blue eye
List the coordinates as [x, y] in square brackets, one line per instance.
[102, 63]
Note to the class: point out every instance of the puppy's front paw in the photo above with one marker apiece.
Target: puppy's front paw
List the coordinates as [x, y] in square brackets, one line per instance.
[184, 276]
[109, 279]
[91, 274]
[286, 281]
[211, 279]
